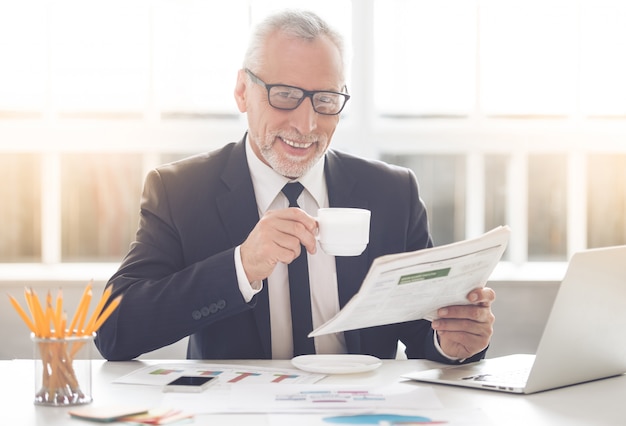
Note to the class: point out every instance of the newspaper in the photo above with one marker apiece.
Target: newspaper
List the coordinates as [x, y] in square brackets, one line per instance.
[410, 286]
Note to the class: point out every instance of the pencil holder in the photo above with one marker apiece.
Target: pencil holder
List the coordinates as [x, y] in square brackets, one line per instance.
[62, 370]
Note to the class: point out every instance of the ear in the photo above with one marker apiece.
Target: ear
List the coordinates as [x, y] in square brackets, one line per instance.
[240, 90]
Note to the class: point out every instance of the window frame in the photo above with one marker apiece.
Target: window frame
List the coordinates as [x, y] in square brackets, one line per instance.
[362, 131]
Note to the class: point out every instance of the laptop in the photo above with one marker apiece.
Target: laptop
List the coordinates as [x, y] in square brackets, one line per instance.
[584, 338]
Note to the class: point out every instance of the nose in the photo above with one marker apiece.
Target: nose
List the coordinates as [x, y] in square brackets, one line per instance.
[304, 118]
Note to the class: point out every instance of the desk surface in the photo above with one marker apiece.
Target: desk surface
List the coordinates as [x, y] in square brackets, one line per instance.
[596, 403]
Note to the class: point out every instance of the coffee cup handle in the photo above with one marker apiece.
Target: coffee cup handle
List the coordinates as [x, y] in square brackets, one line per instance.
[317, 230]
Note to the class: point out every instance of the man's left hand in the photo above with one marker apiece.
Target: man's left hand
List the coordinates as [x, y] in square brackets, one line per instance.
[465, 330]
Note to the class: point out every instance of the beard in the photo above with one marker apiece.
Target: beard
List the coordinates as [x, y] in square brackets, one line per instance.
[291, 166]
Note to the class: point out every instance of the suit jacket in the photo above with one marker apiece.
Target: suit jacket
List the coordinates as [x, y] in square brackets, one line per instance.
[178, 278]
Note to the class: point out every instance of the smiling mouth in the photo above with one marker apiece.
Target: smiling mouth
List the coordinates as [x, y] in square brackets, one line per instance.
[294, 144]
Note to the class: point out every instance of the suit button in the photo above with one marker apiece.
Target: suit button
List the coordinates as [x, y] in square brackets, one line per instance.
[221, 304]
[205, 311]
[196, 315]
[213, 308]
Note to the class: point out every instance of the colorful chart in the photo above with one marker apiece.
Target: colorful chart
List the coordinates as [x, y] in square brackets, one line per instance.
[229, 374]
[164, 371]
[378, 419]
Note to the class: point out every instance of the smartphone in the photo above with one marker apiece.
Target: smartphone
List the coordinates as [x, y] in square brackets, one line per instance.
[190, 384]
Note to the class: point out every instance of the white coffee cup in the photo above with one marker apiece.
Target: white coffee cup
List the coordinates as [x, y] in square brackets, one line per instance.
[343, 231]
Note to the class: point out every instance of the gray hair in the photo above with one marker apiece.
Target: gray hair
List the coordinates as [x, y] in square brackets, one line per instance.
[299, 24]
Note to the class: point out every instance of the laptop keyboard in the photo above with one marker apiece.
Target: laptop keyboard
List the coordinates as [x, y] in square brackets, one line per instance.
[518, 376]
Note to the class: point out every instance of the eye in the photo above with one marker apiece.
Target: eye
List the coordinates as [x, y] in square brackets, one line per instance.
[281, 93]
[286, 92]
[326, 98]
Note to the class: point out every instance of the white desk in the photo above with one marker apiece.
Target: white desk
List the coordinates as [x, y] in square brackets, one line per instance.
[597, 403]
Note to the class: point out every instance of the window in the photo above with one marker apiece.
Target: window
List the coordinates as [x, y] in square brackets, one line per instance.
[442, 184]
[547, 207]
[509, 112]
[527, 94]
[432, 45]
[99, 197]
[606, 225]
[23, 48]
[528, 57]
[194, 66]
[20, 212]
[602, 35]
[98, 57]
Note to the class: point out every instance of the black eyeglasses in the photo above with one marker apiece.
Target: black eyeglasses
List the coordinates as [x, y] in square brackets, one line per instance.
[281, 96]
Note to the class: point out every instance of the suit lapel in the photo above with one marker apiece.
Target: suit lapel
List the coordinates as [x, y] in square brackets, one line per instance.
[239, 213]
[237, 205]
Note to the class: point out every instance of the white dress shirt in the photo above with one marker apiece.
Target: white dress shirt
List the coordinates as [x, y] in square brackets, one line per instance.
[322, 269]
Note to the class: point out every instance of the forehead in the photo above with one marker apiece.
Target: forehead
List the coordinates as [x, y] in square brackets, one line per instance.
[310, 64]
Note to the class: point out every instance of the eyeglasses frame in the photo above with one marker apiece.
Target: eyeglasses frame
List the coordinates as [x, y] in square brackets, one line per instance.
[307, 94]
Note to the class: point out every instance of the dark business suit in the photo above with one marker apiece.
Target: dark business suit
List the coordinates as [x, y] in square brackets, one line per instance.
[179, 278]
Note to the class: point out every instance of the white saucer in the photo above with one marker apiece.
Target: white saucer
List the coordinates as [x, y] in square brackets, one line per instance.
[336, 364]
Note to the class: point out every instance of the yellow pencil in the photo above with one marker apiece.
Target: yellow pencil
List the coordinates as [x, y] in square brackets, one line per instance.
[105, 315]
[83, 313]
[63, 323]
[84, 301]
[29, 302]
[23, 314]
[40, 317]
[51, 321]
[98, 309]
[58, 314]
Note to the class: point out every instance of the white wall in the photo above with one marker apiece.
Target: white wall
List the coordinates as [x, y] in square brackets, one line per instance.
[521, 309]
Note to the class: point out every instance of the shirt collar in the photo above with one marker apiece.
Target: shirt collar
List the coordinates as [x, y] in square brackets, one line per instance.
[267, 183]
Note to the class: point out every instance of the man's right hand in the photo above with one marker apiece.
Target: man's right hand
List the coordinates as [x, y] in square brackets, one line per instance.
[277, 237]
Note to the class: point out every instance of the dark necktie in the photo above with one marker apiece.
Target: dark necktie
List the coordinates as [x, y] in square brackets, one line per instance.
[299, 292]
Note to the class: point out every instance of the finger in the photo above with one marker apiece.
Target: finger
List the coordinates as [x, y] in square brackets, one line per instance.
[296, 223]
[484, 296]
[467, 341]
[471, 312]
[259, 260]
[297, 215]
[277, 237]
[463, 326]
[462, 345]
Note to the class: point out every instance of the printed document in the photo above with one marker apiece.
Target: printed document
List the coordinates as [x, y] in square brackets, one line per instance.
[409, 286]
[318, 398]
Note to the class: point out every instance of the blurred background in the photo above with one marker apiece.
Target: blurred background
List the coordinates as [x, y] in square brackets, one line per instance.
[509, 112]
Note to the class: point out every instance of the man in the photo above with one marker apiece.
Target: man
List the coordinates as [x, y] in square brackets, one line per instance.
[216, 237]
